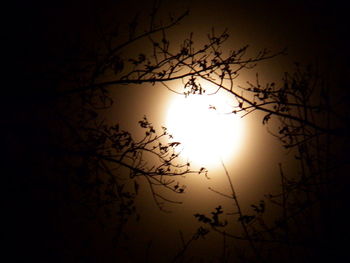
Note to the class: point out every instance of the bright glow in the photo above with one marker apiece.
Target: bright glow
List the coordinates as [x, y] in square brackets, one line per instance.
[207, 134]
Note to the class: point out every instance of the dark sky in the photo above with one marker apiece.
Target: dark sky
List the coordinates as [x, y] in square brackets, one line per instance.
[40, 39]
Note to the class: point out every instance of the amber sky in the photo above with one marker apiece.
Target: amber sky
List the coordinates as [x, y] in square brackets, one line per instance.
[38, 34]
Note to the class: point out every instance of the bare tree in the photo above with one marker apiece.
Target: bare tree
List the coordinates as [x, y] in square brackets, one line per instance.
[308, 224]
[102, 162]
[86, 91]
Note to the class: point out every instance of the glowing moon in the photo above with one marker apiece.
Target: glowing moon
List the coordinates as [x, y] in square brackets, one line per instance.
[206, 132]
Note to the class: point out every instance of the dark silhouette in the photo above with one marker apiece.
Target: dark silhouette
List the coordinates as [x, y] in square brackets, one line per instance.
[74, 176]
[308, 224]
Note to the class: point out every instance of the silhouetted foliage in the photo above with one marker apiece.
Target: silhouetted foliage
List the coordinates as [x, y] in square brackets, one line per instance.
[95, 166]
[308, 224]
[86, 92]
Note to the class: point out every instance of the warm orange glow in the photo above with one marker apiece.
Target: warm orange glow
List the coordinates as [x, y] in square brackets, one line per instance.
[205, 129]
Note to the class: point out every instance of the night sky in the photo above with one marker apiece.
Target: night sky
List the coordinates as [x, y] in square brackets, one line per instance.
[53, 186]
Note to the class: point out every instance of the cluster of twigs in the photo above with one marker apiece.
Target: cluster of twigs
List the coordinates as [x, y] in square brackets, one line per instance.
[87, 93]
[305, 217]
[106, 153]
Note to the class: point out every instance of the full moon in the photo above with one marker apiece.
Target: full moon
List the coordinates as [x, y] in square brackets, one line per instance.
[206, 129]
